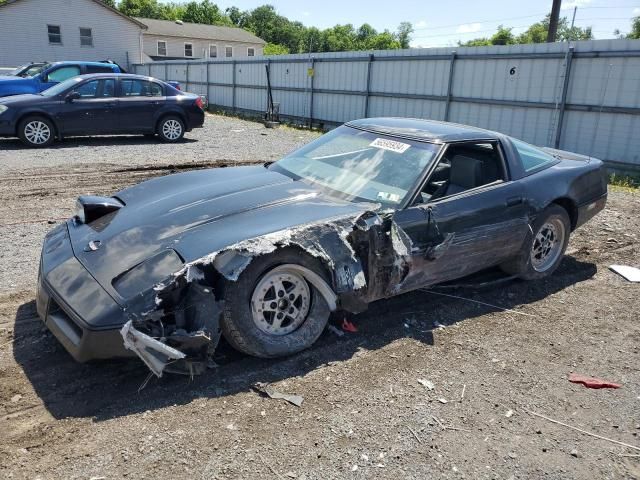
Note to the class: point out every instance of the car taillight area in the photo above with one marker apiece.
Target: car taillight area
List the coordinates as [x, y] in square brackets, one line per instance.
[200, 103]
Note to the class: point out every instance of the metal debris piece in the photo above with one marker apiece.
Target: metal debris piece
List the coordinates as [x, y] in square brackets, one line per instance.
[271, 393]
[335, 331]
[155, 354]
[592, 382]
[631, 274]
[426, 383]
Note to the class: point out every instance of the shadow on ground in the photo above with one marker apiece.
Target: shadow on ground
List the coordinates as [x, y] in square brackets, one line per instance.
[98, 141]
[107, 390]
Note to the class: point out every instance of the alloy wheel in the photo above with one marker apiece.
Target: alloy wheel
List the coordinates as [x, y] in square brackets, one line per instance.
[280, 302]
[37, 132]
[172, 129]
[547, 245]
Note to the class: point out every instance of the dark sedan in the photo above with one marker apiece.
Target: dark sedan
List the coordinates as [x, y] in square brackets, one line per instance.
[101, 104]
[374, 208]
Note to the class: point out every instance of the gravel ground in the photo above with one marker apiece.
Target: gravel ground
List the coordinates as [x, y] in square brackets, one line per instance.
[365, 413]
[250, 141]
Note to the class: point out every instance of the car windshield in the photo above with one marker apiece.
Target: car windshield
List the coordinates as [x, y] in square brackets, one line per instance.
[61, 87]
[360, 165]
[28, 70]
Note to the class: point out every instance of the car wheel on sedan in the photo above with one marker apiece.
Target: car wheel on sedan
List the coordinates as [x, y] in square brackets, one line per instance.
[36, 132]
[171, 129]
[545, 249]
[272, 310]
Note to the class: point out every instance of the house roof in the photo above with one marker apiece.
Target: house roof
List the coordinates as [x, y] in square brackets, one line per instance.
[99, 2]
[171, 28]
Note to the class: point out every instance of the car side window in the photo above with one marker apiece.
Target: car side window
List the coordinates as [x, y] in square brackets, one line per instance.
[63, 73]
[464, 166]
[140, 88]
[89, 89]
[97, 89]
[98, 69]
[531, 156]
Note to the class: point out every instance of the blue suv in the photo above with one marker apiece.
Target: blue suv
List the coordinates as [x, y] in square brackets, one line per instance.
[51, 74]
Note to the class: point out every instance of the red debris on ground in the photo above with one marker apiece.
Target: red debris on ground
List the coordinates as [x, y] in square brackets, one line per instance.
[591, 382]
[347, 326]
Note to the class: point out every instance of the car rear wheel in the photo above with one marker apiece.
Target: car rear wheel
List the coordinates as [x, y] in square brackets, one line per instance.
[545, 249]
[272, 310]
[171, 129]
[36, 132]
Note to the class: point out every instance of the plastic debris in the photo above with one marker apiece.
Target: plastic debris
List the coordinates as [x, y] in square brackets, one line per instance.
[629, 273]
[591, 382]
[347, 326]
[426, 383]
[271, 393]
[334, 330]
[442, 400]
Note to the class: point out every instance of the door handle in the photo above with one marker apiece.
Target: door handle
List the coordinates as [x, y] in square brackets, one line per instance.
[513, 201]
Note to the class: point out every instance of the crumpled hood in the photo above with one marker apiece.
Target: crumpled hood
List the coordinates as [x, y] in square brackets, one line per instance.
[196, 213]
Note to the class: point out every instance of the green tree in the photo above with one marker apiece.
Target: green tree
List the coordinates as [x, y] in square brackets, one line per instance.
[204, 12]
[274, 49]
[635, 28]
[140, 8]
[110, 3]
[503, 36]
[405, 29]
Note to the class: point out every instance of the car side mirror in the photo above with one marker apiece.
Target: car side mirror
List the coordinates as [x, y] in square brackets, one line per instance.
[71, 97]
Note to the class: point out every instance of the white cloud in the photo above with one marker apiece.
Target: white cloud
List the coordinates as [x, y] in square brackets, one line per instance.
[636, 11]
[469, 28]
[420, 24]
[570, 5]
[306, 14]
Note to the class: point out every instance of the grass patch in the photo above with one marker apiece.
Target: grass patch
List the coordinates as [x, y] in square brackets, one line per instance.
[627, 183]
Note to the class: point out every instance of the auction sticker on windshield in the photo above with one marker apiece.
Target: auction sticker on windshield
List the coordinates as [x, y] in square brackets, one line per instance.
[390, 145]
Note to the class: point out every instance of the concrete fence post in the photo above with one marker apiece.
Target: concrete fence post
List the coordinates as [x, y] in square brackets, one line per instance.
[447, 104]
[563, 98]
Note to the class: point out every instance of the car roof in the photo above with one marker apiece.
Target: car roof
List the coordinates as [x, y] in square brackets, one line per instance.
[83, 62]
[424, 130]
[119, 75]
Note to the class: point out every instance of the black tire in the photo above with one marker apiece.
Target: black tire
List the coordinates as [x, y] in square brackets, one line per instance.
[523, 266]
[165, 132]
[31, 129]
[238, 325]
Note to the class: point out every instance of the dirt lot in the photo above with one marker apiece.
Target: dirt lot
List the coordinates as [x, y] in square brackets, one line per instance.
[365, 415]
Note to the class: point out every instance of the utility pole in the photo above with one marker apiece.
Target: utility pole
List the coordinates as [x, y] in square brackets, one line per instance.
[573, 20]
[553, 21]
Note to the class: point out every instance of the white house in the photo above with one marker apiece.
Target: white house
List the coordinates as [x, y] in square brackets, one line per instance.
[53, 30]
[176, 40]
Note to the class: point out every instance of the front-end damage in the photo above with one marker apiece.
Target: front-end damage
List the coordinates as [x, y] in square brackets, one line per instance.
[175, 327]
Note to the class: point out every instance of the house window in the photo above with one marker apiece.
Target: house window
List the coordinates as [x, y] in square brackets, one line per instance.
[86, 37]
[213, 51]
[55, 35]
[162, 48]
[228, 51]
[188, 49]
[251, 52]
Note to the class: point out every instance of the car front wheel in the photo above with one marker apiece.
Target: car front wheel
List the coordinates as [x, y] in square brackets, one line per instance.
[171, 129]
[545, 249]
[36, 132]
[272, 310]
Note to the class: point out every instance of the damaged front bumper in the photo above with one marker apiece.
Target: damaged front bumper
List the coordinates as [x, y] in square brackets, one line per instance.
[74, 307]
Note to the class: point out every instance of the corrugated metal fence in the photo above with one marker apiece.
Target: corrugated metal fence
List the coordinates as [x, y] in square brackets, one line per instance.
[583, 97]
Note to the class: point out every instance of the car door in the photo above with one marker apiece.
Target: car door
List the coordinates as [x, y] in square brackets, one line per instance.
[463, 232]
[139, 103]
[58, 74]
[94, 112]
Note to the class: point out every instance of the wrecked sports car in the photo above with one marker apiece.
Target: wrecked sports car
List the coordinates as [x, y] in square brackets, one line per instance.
[263, 254]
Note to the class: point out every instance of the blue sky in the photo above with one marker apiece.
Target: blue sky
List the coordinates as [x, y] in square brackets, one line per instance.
[440, 23]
